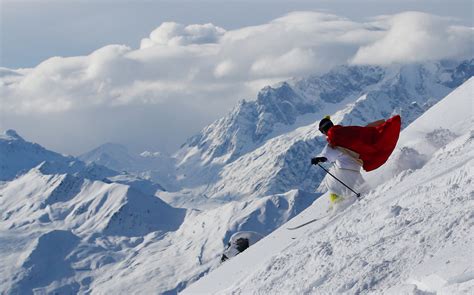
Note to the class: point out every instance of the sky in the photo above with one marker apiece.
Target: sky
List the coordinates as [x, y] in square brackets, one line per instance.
[149, 75]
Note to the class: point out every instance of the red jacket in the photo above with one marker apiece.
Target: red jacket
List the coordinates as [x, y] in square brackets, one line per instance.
[373, 144]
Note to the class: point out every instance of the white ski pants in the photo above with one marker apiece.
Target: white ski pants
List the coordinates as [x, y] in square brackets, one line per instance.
[351, 178]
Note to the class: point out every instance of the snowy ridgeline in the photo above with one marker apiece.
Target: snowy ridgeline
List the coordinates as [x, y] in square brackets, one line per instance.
[353, 94]
[277, 133]
[111, 231]
[412, 234]
[18, 156]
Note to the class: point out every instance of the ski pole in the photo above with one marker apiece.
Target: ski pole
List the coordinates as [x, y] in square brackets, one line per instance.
[357, 194]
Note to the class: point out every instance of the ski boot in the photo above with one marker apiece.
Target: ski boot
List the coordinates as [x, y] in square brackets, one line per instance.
[336, 201]
[334, 198]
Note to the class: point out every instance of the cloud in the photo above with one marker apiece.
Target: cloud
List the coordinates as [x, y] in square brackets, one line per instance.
[225, 69]
[208, 69]
[174, 34]
[292, 62]
[416, 36]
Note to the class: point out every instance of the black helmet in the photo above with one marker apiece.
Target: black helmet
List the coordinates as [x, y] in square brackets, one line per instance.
[325, 124]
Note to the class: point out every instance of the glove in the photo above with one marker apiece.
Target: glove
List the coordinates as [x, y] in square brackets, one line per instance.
[317, 160]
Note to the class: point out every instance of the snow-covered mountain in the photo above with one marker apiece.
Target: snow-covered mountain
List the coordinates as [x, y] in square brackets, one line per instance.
[355, 94]
[101, 231]
[18, 156]
[86, 206]
[113, 231]
[170, 263]
[220, 162]
[210, 164]
[112, 155]
[102, 223]
[412, 234]
[57, 230]
[56, 211]
[155, 166]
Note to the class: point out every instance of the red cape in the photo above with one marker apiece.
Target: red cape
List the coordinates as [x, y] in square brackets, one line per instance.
[373, 144]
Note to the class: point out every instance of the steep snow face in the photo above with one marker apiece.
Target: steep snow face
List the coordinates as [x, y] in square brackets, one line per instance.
[361, 94]
[443, 123]
[282, 164]
[388, 242]
[409, 235]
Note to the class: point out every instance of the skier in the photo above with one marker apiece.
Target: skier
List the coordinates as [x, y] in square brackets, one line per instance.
[352, 148]
[239, 242]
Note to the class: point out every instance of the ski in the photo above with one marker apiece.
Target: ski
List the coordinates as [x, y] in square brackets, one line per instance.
[306, 223]
[328, 214]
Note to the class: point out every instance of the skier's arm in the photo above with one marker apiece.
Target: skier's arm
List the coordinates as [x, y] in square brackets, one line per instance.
[330, 154]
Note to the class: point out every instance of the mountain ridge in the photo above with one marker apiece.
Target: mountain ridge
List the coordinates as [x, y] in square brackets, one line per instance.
[408, 235]
[407, 89]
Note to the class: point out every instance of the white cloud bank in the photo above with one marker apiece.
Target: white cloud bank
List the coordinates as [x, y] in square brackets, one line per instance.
[206, 69]
[414, 36]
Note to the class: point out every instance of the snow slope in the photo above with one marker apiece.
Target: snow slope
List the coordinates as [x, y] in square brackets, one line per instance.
[168, 264]
[74, 215]
[106, 231]
[18, 156]
[102, 228]
[411, 234]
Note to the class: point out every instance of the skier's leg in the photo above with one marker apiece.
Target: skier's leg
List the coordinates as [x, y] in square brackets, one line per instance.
[334, 187]
[338, 192]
